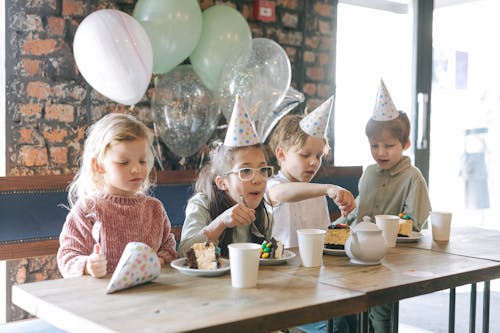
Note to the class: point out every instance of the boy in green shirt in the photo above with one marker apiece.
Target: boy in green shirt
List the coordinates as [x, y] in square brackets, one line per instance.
[391, 186]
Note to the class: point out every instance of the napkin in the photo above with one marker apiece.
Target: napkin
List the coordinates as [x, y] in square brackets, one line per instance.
[138, 264]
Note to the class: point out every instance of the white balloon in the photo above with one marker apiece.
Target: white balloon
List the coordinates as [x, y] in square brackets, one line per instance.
[114, 55]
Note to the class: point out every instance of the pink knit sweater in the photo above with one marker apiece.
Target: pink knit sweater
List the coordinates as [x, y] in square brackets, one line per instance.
[138, 219]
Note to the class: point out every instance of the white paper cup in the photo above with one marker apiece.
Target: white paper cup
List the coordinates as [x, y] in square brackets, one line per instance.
[311, 243]
[389, 224]
[244, 261]
[441, 224]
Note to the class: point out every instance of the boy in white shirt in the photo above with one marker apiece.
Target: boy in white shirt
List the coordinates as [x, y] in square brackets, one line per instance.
[299, 144]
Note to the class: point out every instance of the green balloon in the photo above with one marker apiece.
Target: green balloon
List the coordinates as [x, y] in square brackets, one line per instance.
[173, 27]
[225, 34]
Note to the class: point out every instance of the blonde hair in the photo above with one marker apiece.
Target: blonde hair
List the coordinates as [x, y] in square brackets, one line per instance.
[112, 128]
[288, 134]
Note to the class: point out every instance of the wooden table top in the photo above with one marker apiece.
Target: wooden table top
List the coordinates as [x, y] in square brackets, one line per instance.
[406, 272]
[465, 241]
[286, 295]
[180, 303]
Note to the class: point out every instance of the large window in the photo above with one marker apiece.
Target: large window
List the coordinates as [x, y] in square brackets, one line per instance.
[464, 173]
[371, 44]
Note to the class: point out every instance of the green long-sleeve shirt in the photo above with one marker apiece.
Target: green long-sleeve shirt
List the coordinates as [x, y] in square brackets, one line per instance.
[401, 189]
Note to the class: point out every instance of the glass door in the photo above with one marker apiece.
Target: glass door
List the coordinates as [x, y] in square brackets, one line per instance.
[465, 119]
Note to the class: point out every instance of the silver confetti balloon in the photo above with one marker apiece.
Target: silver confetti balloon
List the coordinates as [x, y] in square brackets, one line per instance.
[184, 110]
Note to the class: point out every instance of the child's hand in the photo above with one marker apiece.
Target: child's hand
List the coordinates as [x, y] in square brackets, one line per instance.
[343, 198]
[162, 261]
[96, 263]
[238, 215]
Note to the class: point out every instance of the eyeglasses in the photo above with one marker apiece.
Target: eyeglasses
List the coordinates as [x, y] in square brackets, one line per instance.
[248, 174]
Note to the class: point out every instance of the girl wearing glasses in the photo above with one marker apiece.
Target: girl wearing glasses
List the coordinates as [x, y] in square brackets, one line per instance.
[228, 206]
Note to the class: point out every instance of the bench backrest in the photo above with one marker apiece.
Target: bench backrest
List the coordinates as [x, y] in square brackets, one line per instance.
[31, 212]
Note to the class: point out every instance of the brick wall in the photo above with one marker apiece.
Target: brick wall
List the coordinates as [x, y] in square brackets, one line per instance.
[49, 105]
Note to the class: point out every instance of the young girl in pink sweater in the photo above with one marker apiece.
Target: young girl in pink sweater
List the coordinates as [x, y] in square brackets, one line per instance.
[109, 205]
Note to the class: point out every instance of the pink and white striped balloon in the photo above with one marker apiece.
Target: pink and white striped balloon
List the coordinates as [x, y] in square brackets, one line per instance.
[114, 55]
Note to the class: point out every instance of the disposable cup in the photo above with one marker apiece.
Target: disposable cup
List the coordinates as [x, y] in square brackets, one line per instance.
[389, 224]
[311, 243]
[441, 225]
[244, 261]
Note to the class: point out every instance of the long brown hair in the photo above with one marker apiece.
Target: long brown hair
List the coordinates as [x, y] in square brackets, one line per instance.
[221, 161]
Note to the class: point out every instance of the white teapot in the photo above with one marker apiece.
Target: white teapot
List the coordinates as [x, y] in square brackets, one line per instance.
[365, 245]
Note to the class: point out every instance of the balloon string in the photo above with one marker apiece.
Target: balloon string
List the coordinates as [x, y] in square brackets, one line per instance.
[202, 158]
[157, 151]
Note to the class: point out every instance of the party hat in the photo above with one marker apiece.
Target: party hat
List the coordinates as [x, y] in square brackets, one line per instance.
[384, 107]
[137, 265]
[316, 122]
[241, 130]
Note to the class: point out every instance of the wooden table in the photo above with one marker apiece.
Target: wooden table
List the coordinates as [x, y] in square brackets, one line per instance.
[405, 272]
[286, 295]
[468, 242]
[180, 303]
[465, 241]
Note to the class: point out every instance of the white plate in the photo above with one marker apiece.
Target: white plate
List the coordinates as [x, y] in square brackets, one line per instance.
[180, 265]
[287, 255]
[414, 237]
[334, 252]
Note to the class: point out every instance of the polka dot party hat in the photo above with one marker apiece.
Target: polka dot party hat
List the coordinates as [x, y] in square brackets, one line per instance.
[384, 107]
[316, 122]
[137, 265]
[241, 130]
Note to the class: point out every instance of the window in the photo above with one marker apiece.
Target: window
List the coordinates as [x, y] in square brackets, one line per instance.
[371, 44]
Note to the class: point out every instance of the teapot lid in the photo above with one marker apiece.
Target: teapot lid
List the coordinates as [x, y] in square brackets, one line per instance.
[366, 225]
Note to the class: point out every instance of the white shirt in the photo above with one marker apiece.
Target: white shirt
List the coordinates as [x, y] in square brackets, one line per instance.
[289, 217]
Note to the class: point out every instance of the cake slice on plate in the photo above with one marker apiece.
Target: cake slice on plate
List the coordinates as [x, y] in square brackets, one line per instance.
[336, 236]
[405, 225]
[203, 256]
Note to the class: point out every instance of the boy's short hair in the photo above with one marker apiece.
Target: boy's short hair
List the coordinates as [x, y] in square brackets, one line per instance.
[288, 134]
[398, 128]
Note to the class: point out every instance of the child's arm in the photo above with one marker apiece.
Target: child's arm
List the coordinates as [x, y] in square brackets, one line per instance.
[298, 191]
[417, 203]
[76, 244]
[166, 252]
[238, 215]
[198, 226]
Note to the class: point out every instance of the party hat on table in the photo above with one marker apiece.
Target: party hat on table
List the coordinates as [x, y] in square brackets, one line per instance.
[316, 122]
[384, 107]
[241, 130]
[138, 264]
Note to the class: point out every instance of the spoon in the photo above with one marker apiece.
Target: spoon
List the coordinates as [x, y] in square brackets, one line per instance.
[253, 227]
[96, 232]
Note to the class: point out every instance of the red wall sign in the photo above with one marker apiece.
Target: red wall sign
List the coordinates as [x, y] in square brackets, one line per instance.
[264, 10]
